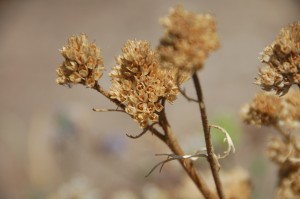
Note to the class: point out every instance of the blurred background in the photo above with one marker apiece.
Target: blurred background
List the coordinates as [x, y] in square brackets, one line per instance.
[51, 142]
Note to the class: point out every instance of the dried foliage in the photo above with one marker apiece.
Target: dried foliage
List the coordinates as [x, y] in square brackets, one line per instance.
[282, 61]
[144, 79]
[83, 62]
[281, 71]
[267, 109]
[189, 39]
[139, 83]
[289, 187]
[283, 114]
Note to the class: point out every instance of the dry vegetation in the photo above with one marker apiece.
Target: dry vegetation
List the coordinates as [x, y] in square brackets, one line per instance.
[144, 79]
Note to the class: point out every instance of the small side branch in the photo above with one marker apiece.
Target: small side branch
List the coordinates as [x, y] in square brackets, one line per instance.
[98, 88]
[171, 157]
[108, 110]
[183, 93]
[143, 132]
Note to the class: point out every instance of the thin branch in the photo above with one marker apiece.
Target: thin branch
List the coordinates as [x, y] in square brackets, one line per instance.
[210, 150]
[108, 110]
[158, 134]
[143, 132]
[171, 157]
[98, 88]
[160, 164]
[183, 93]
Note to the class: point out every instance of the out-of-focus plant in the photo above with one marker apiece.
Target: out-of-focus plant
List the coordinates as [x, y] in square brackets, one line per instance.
[280, 72]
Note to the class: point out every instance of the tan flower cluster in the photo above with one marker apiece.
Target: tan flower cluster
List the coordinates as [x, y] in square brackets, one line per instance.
[188, 40]
[285, 153]
[266, 109]
[83, 62]
[289, 187]
[263, 110]
[139, 83]
[282, 61]
[284, 114]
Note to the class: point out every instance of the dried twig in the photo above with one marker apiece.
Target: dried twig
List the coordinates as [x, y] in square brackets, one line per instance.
[108, 110]
[143, 132]
[171, 157]
[183, 93]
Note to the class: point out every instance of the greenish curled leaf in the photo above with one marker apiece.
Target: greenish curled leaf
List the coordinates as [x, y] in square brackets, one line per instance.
[230, 148]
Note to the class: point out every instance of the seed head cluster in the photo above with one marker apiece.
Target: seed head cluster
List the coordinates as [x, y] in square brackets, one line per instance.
[262, 110]
[283, 113]
[289, 186]
[281, 61]
[140, 84]
[266, 109]
[83, 63]
[286, 154]
[283, 152]
[189, 39]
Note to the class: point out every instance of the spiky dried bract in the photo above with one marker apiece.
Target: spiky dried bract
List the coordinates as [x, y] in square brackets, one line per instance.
[188, 40]
[83, 62]
[139, 83]
[266, 109]
[282, 61]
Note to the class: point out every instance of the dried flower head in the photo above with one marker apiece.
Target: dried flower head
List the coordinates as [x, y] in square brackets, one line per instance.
[289, 187]
[139, 83]
[263, 110]
[266, 109]
[188, 40]
[282, 61]
[285, 153]
[83, 62]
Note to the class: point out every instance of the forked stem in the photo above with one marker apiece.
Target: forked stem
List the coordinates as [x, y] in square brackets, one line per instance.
[213, 162]
[187, 164]
[170, 140]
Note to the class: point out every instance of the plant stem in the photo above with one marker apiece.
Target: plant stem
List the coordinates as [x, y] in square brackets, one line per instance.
[187, 164]
[98, 88]
[209, 147]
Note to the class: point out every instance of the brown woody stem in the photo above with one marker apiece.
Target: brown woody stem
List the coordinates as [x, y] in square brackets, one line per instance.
[170, 140]
[98, 88]
[213, 162]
